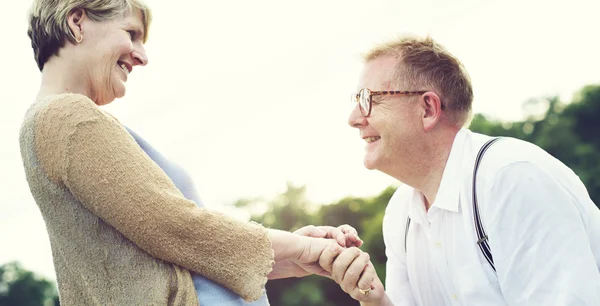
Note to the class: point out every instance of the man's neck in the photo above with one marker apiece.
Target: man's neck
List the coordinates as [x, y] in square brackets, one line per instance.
[431, 182]
[430, 169]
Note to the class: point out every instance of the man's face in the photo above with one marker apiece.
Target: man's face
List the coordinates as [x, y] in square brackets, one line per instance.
[393, 125]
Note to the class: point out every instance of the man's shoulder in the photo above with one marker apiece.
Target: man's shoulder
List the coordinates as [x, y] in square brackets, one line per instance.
[508, 152]
[511, 159]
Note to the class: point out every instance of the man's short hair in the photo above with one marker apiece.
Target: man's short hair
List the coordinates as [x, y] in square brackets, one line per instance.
[48, 24]
[423, 64]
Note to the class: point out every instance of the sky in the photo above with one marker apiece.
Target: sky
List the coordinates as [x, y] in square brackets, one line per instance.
[250, 95]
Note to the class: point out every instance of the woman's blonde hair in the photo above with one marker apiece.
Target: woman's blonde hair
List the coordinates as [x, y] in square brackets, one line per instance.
[49, 30]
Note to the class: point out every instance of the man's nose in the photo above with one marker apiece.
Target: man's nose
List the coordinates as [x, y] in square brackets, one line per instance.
[356, 119]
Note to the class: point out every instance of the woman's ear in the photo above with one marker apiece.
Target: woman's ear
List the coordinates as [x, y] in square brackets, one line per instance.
[75, 21]
[433, 108]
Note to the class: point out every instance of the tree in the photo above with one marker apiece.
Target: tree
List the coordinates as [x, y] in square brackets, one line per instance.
[19, 287]
[566, 131]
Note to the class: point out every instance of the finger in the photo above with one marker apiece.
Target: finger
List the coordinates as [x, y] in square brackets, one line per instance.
[353, 273]
[343, 262]
[367, 277]
[311, 231]
[353, 240]
[347, 229]
[351, 235]
[364, 283]
[328, 256]
[335, 233]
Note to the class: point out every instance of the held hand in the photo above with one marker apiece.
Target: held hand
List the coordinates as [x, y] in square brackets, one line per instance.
[308, 261]
[345, 235]
[355, 274]
[301, 254]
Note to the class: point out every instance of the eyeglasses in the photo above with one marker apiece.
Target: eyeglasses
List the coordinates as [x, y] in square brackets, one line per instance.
[364, 98]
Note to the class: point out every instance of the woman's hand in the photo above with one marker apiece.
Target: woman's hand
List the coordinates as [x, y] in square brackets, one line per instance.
[302, 251]
[354, 272]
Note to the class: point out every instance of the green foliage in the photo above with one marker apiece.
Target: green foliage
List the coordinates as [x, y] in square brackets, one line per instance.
[19, 287]
[567, 131]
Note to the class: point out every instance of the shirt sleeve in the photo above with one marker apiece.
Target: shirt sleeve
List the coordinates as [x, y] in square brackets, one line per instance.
[104, 168]
[397, 285]
[538, 240]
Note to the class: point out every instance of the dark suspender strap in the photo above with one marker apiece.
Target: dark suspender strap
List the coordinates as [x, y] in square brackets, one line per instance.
[482, 238]
[406, 232]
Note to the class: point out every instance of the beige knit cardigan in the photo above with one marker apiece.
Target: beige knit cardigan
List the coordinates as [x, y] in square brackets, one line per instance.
[121, 232]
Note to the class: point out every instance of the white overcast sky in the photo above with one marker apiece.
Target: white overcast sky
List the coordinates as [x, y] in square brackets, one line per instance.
[248, 95]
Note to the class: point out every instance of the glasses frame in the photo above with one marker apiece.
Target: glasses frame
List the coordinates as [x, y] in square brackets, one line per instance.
[356, 98]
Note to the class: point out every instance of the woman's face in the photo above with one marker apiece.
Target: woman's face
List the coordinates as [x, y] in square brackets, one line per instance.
[110, 51]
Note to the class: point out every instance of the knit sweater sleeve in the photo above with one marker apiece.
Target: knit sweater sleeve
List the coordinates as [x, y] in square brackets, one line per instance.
[93, 156]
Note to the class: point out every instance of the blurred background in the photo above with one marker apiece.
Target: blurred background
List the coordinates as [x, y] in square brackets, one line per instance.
[251, 98]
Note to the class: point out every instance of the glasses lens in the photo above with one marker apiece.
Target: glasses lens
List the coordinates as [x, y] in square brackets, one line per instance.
[365, 105]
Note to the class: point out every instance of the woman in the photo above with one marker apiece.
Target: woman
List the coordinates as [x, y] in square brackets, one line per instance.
[121, 232]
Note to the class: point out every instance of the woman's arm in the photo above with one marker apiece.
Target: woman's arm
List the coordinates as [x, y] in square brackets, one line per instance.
[94, 157]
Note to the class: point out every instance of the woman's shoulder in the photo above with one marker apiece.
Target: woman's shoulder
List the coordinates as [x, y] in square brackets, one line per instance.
[68, 107]
[51, 121]
[55, 115]
[63, 110]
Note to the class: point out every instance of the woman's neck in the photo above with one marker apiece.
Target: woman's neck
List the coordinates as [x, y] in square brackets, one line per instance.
[60, 76]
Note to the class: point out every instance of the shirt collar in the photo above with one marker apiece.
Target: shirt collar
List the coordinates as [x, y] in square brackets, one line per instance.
[448, 194]
[416, 208]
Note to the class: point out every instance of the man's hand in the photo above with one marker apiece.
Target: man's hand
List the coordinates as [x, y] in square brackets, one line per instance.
[354, 272]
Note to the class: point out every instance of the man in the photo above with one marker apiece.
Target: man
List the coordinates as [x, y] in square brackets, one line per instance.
[527, 233]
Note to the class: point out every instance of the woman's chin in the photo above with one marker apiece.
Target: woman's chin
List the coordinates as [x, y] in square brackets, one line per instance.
[109, 98]
[119, 92]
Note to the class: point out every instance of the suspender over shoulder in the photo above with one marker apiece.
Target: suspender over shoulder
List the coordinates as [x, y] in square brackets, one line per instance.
[482, 238]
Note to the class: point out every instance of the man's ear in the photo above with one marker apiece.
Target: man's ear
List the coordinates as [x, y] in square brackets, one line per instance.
[75, 21]
[432, 110]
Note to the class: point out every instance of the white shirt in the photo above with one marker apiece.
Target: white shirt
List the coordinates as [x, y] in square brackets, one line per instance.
[543, 229]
